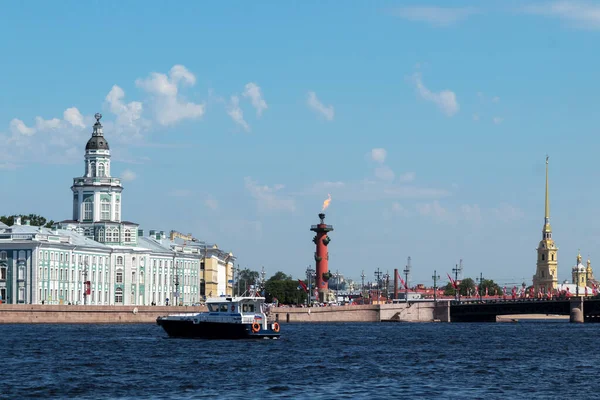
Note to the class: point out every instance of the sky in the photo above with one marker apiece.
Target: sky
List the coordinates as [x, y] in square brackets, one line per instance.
[427, 122]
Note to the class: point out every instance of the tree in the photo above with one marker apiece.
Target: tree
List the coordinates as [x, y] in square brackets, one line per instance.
[466, 287]
[34, 220]
[449, 290]
[285, 289]
[247, 277]
[491, 286]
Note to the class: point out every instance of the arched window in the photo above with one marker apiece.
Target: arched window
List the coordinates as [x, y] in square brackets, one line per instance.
[101, 170]
[133, 261]
[119, 260]
[117, 209]
[552, 257]
[127, 235]
[88, 208]
[141, 277]
[101, 235]
[93, 170]
[3, 273]
[105, 209]
[119, 296]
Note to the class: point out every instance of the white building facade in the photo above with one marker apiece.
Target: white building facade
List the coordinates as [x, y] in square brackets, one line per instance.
[96, 258]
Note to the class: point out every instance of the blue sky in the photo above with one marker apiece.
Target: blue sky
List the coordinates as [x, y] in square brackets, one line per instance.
[427, 122]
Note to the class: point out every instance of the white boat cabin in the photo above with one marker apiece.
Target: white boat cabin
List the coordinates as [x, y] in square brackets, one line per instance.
[250, 308]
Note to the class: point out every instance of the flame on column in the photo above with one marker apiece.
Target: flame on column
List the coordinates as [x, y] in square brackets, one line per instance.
[326, 202]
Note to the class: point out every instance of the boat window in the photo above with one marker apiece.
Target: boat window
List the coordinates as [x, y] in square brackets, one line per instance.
[245, 308]
[223, 307]
[251, 307]
[213, 307]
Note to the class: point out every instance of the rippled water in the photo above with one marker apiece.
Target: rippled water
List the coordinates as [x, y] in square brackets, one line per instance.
[378, 360]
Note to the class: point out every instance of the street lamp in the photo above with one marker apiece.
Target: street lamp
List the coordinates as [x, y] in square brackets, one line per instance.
[435, 277]
[363, 285]
[406, 272]
[237, 275]
[479, 288]
[86, 284]
[309, 274]
[457, 270]
[577, 283]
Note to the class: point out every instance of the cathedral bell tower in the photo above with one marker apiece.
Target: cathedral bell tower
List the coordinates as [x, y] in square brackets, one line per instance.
[546, 275]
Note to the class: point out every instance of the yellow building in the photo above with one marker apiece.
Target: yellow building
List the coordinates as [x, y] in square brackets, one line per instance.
[218, 272]
[546, 275]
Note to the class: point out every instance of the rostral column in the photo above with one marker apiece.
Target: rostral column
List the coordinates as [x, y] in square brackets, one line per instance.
[321, 240]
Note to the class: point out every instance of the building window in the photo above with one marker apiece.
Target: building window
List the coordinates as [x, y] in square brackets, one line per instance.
[141, 277]
[101, 235]
[101, 170]
[105, 209]
[2, 272]
[119, 277]
[127, 235]
[552, 257]
[93, 169]
[87, 210]
[2, 255]
[119, 296]
[543, 257]
[133, 277]
[119, 260]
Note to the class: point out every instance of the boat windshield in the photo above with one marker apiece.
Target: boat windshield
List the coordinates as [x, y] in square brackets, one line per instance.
[218, 307]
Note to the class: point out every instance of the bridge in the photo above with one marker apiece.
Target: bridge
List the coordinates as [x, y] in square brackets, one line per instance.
[578, 309]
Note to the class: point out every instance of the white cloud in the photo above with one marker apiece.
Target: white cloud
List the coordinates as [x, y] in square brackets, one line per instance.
[495, 99]
[506, 212]
[384, 173]
[399, 209]
[471, 213]
[42, 124]
[18, 127]
[128, 175]
[497, 120]
[437, 16]
[169, 106]
[74, 117]
[407, 177]
[581, 14]
[433, 210]
[128, 115]
[268, 197]
[445, 100]
[236, 113]
[211, 202]
[379, 155]
[315, 104]
[375, 190]
[252, 90]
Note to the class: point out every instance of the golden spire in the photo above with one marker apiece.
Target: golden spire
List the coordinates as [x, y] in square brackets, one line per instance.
[578, 257]
[547, 228]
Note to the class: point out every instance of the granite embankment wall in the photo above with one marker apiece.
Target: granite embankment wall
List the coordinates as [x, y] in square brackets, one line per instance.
[64, 314]
[402, 312]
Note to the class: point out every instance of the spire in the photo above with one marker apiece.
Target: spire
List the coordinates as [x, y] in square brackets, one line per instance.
[98, 126]
[578, 257]
[547, 228]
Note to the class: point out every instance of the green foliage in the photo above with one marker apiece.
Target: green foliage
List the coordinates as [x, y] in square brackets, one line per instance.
[285, 289]
[34, 219]
[466, 286]
[449, 290]
[493, 288]
[246, 278]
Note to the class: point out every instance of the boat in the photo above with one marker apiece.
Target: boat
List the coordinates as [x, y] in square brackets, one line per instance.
[226, 318]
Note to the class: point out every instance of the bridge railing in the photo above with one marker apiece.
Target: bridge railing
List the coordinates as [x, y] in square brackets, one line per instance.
[501, 301]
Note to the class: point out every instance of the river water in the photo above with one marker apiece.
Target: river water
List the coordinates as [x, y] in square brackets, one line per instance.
[530, 360]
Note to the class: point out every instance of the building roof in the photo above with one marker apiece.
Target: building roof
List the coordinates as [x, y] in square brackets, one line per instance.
[41, 234]
[97, 141]
[3, 225]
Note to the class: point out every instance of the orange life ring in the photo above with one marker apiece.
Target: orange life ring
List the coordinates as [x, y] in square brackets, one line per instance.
[255, 327]
[276, 327]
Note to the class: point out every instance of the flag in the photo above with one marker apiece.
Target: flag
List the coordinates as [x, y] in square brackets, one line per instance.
[403, 283]
[303, 285]
[486, 291]
[452, 281]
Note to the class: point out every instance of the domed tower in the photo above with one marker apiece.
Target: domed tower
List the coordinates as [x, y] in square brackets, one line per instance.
[579, 274]
[546, 276]
[97, 196]
[589, 272]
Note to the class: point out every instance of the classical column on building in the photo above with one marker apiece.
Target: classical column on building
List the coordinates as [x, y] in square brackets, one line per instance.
[546, 276]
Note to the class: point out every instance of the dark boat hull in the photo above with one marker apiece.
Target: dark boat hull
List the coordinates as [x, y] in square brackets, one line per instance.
[213, 330]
